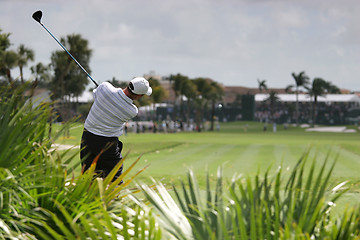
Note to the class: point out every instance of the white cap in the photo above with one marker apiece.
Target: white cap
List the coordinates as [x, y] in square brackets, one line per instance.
[141, 86]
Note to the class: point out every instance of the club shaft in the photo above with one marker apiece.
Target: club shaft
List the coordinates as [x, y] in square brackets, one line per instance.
[70, 55]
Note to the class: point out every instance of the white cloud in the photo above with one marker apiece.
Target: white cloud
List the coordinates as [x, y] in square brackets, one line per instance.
[233, 41]
[291, 18]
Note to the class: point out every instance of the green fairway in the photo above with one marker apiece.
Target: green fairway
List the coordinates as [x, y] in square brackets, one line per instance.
[246, 152]
[236, 149]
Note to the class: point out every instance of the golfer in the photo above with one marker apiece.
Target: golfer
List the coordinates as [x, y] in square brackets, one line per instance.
[111, 109]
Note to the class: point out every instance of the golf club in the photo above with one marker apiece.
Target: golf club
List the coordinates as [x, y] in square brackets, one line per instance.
[37, 17]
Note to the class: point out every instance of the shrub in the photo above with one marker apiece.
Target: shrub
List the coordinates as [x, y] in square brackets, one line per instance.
[295, 207]
[39, 200]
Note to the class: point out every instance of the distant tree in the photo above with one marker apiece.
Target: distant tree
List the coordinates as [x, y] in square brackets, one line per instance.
[118, 83]
[41, 77]
[178, 85]
[262, 85]
[8, 61]
[24, 56]
[301, 80]
[69, 79]
[190, 92]
[272, 99]
[144, 101]
[215, 94]
[330, 88]
[41, 74]
[318, 88]
[289, 89]
[4, 41]
[158, 93]
[203, 87]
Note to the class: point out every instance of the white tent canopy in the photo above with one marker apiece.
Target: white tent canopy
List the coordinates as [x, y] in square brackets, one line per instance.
[328, 98]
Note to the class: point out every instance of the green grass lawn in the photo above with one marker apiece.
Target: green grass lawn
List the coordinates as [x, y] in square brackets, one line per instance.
[237, 149]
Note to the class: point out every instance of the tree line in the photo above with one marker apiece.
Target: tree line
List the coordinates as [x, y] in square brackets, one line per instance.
[61, 76]
[66, 81]
[315, 88]
[196, 94]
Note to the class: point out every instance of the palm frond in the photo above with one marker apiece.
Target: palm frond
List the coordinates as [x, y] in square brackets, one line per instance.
[268, 207]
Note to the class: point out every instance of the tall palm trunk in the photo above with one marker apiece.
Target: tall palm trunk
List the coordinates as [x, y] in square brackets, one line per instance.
[181, 107]
[314, 114]
[21, 74]
[198, 120]
[174, 113]
[8, 75]
[199, 114]
[297, 107]
[32, 89]
[188, 112]
[212, 114]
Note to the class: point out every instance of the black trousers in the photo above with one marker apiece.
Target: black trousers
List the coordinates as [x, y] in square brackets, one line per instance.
[92, 145]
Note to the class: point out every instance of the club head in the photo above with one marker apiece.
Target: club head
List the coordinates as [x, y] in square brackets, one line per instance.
[37, 16]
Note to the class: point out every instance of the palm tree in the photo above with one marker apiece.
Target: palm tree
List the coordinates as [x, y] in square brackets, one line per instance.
[190, 92]
[8, 61]
[318, 88]
[4, 41]
[262, 85]
[203, 88]
[158, 93]
[272, 99]
[41, 74]
[301, 80]
[216, 92]
[330, 88]
[69, 80]
[118, 83]
[24, 55]
[178, 87]
[289, 89]
[4, 44]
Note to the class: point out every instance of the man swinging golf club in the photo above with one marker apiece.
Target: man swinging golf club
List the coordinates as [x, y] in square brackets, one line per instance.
[111, 109]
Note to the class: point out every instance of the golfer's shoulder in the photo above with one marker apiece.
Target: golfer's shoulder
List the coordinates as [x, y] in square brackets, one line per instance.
[106, 86]
[107, 89]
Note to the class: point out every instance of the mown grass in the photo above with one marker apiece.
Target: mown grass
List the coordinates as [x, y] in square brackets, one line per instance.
[240, 148]
[41, 199]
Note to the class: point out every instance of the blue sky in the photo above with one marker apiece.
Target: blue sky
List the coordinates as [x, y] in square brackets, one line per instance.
[234, 42]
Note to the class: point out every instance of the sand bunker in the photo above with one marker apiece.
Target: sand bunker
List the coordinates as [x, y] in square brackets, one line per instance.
[338, 129]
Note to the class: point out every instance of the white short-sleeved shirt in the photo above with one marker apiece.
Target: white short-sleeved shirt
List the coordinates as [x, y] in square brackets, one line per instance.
[109, 112]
